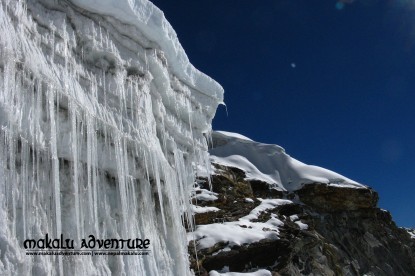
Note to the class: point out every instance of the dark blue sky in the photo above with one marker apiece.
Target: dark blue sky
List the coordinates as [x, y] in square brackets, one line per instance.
[334, 87]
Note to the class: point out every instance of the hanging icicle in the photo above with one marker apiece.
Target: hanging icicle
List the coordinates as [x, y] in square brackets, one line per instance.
[100, 133]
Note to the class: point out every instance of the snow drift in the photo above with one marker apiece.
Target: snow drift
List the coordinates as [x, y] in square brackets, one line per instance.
[270, 163]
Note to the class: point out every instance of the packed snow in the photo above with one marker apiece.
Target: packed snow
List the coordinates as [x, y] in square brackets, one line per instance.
[265, 205]
[411, 232]
[199, 209]
[233, 135]
[296, 220]
[261, 272]
[243, 231]
[204, 195]
[270, 163]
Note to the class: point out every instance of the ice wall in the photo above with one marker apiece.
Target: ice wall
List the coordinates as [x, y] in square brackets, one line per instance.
[102, 126]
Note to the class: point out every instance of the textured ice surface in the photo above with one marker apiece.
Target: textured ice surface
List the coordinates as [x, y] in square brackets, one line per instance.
[270, 163]
[151, 22]
[102, 123]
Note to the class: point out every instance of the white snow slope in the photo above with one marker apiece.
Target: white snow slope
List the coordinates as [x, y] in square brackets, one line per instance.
[102, 125]
[270, 163]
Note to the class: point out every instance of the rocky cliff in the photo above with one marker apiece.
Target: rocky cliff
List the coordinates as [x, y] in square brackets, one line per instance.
[247, 224]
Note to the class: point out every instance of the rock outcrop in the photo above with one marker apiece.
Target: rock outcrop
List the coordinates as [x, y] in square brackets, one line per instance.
[325, 230]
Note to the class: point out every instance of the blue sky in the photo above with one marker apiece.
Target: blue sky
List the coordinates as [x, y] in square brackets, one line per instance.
[334, 84]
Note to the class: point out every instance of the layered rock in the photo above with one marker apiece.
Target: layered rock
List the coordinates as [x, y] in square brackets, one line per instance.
[328, 198]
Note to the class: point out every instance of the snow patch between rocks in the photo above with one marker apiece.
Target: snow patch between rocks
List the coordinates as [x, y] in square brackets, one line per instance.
[261, 272]
[242, 231]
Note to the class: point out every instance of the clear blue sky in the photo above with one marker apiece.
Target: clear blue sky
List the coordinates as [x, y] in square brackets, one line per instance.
[333, 84]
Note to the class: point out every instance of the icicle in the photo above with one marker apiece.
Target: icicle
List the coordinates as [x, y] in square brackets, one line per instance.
[89, 146]
[75, 158]
[55, 169]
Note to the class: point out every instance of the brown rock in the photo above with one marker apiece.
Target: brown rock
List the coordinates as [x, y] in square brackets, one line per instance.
[333, 198]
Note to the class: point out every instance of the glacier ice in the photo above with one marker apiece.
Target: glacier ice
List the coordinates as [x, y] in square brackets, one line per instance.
[103, 123]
